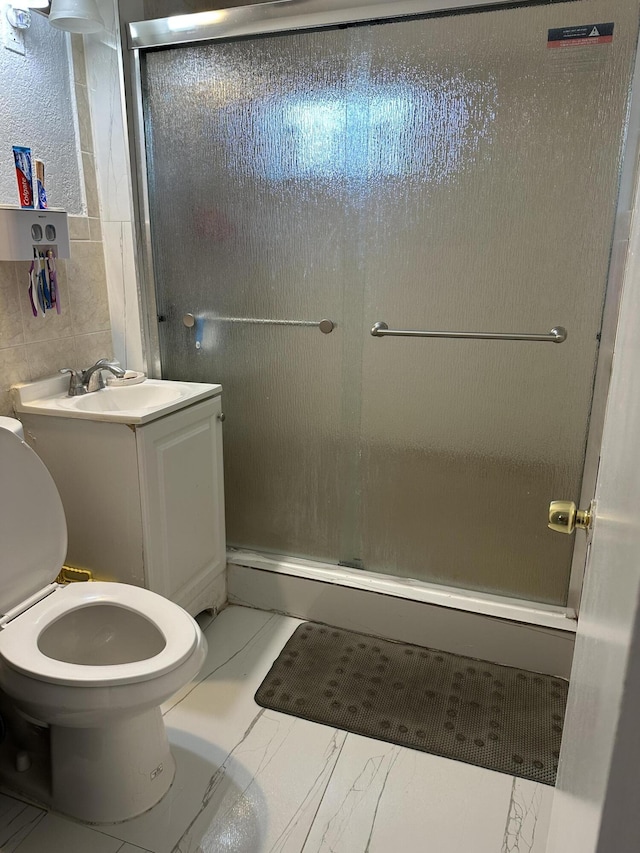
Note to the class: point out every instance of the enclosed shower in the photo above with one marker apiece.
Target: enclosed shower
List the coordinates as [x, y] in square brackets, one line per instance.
[314, 193]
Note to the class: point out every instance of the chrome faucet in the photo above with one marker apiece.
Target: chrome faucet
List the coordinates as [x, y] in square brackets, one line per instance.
[89, 380]
[92, 376]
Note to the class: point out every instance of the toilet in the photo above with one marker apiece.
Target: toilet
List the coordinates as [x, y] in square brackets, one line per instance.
[93, 662]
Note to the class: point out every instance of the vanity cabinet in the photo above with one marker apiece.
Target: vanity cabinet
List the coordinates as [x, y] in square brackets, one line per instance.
[144, 502]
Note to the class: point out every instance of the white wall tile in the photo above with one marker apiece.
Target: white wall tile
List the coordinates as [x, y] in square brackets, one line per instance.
[107, 115]
[123, 295]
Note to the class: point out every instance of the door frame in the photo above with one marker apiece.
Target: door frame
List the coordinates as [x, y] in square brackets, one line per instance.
[227, 20]
[595, 801]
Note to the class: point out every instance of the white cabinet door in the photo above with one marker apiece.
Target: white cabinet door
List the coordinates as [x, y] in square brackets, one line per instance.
[182, 496]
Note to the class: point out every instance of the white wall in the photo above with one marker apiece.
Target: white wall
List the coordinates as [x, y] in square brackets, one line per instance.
[33, 347]
[38, 109]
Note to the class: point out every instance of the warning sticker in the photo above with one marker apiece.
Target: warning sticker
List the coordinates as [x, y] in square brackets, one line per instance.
[589, 34]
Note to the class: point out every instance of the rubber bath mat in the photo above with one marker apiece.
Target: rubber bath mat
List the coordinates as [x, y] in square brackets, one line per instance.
[498, 717]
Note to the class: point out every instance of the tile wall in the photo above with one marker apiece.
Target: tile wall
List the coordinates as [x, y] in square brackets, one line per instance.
[105, 86]
[33, 347]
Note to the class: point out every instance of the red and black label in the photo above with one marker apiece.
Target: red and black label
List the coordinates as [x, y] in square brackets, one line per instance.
[588, 34]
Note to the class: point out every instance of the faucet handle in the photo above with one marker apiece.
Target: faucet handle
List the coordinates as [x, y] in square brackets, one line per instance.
[75, 381]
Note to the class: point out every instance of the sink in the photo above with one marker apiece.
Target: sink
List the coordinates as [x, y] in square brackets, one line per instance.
[135, 404]
[123, 399]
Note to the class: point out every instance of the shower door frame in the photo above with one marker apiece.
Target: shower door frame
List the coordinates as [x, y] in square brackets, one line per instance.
[281, 16]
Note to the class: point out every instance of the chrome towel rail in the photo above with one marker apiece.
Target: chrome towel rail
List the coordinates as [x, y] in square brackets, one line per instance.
[325, 326]
[556, 336]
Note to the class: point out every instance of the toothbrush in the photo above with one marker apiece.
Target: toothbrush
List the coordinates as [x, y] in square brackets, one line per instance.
[32, 289]
[41, 300]
[53, 279]
[42, 304]
[45, 283]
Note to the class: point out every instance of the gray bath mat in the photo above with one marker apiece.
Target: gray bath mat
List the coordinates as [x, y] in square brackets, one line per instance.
[505, 719]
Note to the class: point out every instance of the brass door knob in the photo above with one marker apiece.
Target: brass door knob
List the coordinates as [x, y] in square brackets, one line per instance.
[564, 517]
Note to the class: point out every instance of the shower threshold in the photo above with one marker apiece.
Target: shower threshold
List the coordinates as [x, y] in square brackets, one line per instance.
[504, 630]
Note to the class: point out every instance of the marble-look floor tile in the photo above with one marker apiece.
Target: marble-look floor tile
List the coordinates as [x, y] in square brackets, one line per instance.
[17, 819]
[251, 780]
[384, 797]
[54, 834]
[234, 640]
[265, 770]
[528, 818]
[226, 746]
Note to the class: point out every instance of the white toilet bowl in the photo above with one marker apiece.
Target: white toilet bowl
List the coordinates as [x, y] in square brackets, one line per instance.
[93, 661]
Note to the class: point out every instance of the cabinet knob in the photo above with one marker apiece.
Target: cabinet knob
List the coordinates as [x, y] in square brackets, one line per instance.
[221, 416]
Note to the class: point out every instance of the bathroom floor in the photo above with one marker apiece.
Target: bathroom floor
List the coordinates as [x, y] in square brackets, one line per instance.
[250, 780]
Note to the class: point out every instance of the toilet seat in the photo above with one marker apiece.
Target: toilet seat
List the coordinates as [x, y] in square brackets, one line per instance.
[19, 638]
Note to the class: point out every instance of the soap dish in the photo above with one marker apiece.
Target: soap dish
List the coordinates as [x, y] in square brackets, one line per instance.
[131, 377]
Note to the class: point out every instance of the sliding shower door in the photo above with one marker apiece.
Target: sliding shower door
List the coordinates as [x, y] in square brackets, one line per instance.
[250, 222]
[438, 173]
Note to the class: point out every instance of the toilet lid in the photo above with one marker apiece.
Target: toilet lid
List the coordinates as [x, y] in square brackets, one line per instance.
[33, 529]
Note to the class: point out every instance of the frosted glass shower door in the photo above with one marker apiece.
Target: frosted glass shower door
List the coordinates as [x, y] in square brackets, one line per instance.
[499, 219]
[249, 215]
[445, 173]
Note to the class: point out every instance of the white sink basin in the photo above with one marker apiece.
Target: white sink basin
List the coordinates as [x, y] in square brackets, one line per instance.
[123, 399]
[135, 404]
